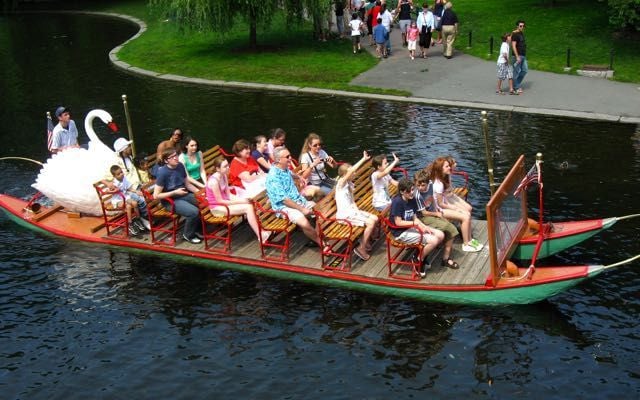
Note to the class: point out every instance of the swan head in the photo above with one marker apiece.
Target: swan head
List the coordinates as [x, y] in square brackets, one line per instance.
[104, 116]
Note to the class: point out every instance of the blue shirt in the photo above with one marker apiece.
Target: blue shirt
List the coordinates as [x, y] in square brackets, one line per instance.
[380, 34]
[171, 179]
[406, 210]
[280, 186]
[424, 200]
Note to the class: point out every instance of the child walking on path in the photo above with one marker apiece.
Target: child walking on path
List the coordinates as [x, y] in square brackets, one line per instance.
[412, 39]
[505, 70]
[356, 30]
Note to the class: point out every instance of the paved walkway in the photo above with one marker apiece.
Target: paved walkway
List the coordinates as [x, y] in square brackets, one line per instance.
[472, 82]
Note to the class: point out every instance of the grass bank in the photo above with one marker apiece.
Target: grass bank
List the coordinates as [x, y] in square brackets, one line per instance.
[287, 57]
[580, 25]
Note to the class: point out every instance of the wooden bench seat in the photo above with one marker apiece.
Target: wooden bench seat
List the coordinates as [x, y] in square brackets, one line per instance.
[216, 229]
[275, 222]
[337, 235]
[114, 211]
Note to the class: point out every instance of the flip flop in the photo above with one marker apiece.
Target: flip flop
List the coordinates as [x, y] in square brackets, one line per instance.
[360, 255]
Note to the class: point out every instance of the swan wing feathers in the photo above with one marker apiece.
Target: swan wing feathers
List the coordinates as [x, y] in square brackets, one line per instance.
[68, 177]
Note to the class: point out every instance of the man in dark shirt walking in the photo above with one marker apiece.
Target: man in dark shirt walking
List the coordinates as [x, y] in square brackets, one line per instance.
[519, 47]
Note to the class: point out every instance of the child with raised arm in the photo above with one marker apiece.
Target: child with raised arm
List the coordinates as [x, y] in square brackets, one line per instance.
[380, 180]
[347, 208]
[134, 202]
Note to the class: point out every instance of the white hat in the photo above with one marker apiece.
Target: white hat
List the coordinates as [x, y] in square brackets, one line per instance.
[120, 144]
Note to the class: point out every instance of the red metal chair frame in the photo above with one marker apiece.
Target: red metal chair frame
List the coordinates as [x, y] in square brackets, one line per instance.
[115, 216]
[334, 232]
[398, 256]
[162, 221]
[222, 226]
[277, 223]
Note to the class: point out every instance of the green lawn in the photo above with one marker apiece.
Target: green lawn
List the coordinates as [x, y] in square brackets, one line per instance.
[580, 25]
[298, 60]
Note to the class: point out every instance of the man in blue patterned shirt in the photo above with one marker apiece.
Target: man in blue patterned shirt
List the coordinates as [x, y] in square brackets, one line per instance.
[284, 194]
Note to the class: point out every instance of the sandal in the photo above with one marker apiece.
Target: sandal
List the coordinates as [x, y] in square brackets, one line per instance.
[499, 92]
[513, 92]
[363, 257]
[450, 263]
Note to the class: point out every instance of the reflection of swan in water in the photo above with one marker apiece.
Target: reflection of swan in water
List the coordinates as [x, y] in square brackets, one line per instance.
[68, 176]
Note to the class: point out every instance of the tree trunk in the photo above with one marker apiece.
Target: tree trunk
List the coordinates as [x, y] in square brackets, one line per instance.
[253, 35]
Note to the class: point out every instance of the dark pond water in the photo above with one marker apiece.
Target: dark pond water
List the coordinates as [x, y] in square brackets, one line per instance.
[80, 321]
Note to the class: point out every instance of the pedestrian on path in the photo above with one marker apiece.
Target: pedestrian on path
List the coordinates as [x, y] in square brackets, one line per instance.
[356, 26]
[404, 16]
[380, 38]
[505, 71]
[449, 29]
[519, 46]
[387, 19]
[412, 38]
[425, 25]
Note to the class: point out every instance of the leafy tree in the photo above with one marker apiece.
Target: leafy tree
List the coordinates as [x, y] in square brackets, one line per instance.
[220, 15]
[625, 14]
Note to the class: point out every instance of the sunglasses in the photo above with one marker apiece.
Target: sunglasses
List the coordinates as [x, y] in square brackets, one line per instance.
[288, 156]
[317, 145]
[521, 26]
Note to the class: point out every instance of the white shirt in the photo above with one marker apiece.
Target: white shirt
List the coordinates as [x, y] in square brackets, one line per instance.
[355, 27]
[62, 137]
[381, 196]
[504, 53]
[425, 19]
[386, 19]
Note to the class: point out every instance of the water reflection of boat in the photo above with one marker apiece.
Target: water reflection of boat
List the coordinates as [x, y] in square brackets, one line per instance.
[487, 277]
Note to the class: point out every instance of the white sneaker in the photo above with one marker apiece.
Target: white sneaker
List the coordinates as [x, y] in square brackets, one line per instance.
[146, 224]
[470, 248]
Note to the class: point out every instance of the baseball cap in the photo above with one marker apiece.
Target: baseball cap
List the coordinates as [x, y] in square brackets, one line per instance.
[61, 110]
[120, 144]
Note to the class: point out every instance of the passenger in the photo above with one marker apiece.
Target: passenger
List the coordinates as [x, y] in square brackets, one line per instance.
[404, 215]
[173, 143]
[440, 171]
[218, 195]
[260, 154]
[380, 180]
[192, 160]
[245, 174]
[433, 218]
[313, 162]
[135, 206]
[172, 183]
[122, 147]
[277, 139]
[285, 197]
[142, 165]
[347, 208]
[65, 133]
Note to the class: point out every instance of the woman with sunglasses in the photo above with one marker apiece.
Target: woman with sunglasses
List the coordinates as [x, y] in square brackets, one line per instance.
[313, 163]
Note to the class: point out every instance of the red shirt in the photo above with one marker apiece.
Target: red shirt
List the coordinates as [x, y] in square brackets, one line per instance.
[375, 11]
[237, 167]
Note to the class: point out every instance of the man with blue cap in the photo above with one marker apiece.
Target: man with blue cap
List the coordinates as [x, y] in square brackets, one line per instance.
[65, 134]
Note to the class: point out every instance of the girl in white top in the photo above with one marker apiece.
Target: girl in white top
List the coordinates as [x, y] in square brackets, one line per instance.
[440, 171]
[504, 69]
[356, 30]
[347, 208]
[380, 180]
[314, 161]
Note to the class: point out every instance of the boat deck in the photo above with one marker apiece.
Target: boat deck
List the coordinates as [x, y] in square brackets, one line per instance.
[474, 267]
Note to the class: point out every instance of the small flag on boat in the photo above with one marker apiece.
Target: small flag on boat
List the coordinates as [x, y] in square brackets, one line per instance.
[49, 131]
[533, 175]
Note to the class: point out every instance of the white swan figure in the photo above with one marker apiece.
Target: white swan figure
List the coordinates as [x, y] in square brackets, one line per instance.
[68, 176]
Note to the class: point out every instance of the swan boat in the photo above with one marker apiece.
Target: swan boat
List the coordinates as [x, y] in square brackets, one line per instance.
[488, 277]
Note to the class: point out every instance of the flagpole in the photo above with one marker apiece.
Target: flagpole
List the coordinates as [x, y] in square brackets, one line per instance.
[129, 129]
[487, 149]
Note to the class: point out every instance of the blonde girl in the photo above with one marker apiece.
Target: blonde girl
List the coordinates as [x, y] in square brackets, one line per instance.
[347, 208]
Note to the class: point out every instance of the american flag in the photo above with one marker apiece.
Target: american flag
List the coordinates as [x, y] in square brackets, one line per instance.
[532, 176]
[49, 131]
